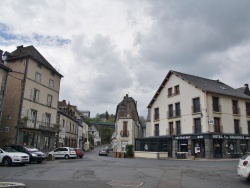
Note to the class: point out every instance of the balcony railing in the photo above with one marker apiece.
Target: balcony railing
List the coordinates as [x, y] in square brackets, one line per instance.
[124, 133]
[196, 109]
[236, 110]
[218, 128]
[196, 130]
[156, 116]
[173, 114]
[248, 112]
[39, 125]
[216, 108]
[170, 131]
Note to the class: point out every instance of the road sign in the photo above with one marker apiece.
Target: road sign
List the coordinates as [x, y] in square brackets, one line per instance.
[211, 122]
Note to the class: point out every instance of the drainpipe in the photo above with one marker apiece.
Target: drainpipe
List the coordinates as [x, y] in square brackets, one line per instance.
[23, 82]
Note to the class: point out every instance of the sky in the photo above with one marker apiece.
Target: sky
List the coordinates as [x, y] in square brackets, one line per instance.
[106, 49]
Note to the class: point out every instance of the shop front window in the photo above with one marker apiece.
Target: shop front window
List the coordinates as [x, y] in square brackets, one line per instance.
[183, 146]
[232, 146]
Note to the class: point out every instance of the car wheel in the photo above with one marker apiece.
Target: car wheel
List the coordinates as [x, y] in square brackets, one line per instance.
[39, 161]
[22, 164]
[248, 178]
[80, 157]
[7, 161]
[66, 156]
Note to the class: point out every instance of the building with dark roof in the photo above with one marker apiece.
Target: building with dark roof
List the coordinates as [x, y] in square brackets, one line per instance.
[198, 117]
[127, 124]
[32, 93]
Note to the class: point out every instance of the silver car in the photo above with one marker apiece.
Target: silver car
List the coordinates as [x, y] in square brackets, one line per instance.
[10, 156]
[243, 169]
[63, 152]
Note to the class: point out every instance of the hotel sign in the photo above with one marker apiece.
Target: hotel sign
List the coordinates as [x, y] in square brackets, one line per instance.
[231, 137]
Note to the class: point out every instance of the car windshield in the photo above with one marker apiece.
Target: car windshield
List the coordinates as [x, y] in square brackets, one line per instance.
[8, 150]
[32, 149]
[71, 149]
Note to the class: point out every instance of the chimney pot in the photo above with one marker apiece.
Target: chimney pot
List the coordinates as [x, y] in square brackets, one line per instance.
[246, 85]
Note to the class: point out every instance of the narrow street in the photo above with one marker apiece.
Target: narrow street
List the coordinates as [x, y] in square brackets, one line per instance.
[101, 171]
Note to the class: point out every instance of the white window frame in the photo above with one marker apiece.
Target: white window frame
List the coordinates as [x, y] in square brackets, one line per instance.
[51, 83]
[34, 95]
[47, 119]
[49, 100]
[38, 77]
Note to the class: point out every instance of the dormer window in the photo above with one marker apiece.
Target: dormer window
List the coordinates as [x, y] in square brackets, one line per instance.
[38, 77]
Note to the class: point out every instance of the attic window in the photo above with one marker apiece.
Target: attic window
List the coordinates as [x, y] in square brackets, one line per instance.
[223, 88]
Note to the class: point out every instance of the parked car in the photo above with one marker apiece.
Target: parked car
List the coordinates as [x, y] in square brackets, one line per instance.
[79, 152]
[10, 156]
[103, 151]
[63, 152]
[34, 154]
[243, 169]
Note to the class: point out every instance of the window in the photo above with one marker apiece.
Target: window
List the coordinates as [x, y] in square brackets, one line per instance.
[33, 116]
[124, 144]
[157, 130]
[63, 123]
[49, 100]
[157, 115]
[196, 105]
[34, 95]
[177, 109]
[125, 128]
[248, 126]
[46, 142]
[170, 111]
[170, 92]
[176, 90]
[235, 107]
[47, 119]
[178, 127]
[247, 108]
[51, 84]
[216, 104]
[197, 125]
[171, 128]
[237, 126]
[217, 125]
[38, 77]
[183, 145]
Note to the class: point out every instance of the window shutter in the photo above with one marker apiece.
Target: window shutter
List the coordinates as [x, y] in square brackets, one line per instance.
[37, 116]
[50, 121]
[37, 95]
[32, 94]
[28, 112]
[43, 120]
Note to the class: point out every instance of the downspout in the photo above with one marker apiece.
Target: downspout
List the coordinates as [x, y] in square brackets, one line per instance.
[207, 116]
[23, 82]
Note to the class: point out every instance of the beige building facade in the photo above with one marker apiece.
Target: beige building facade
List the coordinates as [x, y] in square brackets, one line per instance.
[198, 117]
[32, 94]
[127, 124]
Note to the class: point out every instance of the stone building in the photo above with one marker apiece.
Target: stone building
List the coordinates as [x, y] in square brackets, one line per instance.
[31, 100]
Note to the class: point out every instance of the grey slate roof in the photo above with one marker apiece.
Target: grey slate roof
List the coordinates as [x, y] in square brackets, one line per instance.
[31, 51]
[206, 85]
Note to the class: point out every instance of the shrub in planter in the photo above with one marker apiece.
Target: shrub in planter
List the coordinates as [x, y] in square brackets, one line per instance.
[129, 151]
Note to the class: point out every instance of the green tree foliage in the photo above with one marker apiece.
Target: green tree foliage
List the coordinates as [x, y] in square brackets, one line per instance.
[130, 150]
[105, 134]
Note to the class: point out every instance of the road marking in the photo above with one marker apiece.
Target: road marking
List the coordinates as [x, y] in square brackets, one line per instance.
[125, 183]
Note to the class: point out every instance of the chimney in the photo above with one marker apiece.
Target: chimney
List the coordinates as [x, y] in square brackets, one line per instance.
[64, 103]
[19, 47]
[127, 95]
[246, 85]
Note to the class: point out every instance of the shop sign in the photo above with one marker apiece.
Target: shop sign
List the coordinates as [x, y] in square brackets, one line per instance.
[211, 122]
[182, 137]
[215, 136]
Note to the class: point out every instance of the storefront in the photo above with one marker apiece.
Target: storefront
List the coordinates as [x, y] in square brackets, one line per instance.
[154, 144]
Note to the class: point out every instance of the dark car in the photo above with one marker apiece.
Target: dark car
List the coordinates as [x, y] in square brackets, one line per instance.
[34, 154]
[103, 151]
[79, 152]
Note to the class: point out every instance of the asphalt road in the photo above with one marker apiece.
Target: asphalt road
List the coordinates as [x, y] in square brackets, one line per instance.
[93, 171]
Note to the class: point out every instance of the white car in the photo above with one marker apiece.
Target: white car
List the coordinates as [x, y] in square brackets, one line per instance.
[243, 169]
[10, 156]
[63, 152]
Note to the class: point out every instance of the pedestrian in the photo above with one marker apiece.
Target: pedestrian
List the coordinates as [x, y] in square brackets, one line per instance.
[146, 147]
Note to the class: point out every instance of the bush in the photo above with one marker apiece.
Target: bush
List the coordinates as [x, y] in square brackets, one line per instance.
[129, 151]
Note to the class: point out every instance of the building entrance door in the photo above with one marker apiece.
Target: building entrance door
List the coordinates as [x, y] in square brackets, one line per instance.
[217, 148]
